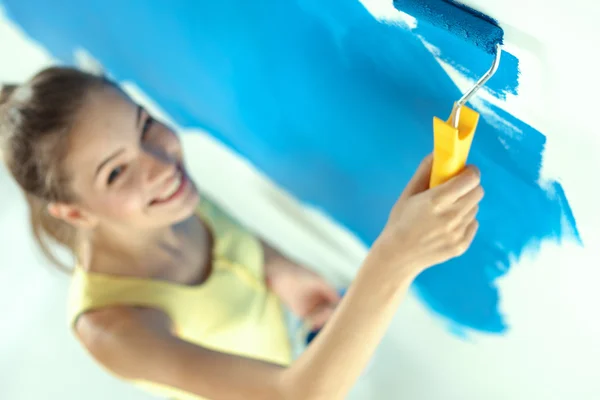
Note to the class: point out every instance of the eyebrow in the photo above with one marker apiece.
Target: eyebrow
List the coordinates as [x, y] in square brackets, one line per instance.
[140, 109]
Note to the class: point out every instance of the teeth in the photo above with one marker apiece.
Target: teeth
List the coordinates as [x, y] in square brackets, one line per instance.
[172, 189]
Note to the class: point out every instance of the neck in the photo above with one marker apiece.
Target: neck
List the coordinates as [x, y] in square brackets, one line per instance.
[124, 251]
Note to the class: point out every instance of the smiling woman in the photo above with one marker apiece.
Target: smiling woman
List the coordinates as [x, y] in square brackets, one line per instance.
[128, 164]
[110, 185]
[172, 294]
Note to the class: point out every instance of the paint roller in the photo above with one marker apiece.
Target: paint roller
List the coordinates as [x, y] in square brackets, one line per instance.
[452, 138]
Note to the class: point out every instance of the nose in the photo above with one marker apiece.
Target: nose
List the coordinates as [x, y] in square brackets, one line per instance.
[157, 167]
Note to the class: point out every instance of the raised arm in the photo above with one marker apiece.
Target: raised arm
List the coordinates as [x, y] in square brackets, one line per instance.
[426, 227]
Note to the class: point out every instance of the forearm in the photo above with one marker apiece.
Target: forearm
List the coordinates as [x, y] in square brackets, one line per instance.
[279, 271]
[336, 358]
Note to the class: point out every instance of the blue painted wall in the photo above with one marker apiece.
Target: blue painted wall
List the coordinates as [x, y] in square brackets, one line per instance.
[334, 106]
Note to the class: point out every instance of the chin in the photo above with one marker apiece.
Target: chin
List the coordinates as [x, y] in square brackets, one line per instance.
[189, 207]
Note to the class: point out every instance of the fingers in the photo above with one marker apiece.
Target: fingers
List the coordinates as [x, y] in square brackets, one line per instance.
[470, 199]
[462, 239]
[465, 209]
[470, 233]
[329, 293]
[459, 186]
[420, 180]
[320, 315]
[464, 217]
[322, 312]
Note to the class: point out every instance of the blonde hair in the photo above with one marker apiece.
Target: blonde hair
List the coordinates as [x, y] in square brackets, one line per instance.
[35, 125]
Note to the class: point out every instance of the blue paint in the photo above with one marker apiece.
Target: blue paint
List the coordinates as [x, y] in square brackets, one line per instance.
[458, 19]
[334, 106]
[471, 61]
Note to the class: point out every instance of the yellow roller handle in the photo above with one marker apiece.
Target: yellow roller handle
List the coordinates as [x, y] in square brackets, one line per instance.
[451, 146]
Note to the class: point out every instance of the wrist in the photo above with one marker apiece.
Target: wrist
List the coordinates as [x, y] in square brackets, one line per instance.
[393, 255]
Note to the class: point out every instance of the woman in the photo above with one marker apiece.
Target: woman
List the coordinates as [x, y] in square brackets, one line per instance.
[170, 293]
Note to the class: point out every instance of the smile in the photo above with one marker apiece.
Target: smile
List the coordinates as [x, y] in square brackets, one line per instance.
[174, 190]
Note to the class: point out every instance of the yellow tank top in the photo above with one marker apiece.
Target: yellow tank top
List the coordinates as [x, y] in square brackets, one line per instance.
[232, 311]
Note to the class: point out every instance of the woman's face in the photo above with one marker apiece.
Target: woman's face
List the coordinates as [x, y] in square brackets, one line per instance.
[127, 168]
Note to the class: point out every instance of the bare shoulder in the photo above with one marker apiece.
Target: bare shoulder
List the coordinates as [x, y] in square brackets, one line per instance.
[114, 336]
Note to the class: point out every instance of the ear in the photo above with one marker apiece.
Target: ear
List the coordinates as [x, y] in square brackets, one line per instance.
[73, 215]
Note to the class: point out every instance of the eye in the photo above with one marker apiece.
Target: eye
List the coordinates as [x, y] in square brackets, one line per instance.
[147, 125]
[114, 174]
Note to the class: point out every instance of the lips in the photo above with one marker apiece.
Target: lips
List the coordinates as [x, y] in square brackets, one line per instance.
[174, 189]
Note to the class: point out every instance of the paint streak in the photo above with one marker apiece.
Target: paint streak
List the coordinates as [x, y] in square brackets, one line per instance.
[471, 61]
[460, 20]
[334, 106]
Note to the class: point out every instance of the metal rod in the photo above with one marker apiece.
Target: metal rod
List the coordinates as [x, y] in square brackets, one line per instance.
[475, 88]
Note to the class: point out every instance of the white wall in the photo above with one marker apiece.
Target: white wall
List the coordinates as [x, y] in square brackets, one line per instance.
[552, 350]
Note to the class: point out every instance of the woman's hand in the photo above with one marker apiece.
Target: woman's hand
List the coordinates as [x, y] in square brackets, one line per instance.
[429, 226]
[303, 291]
